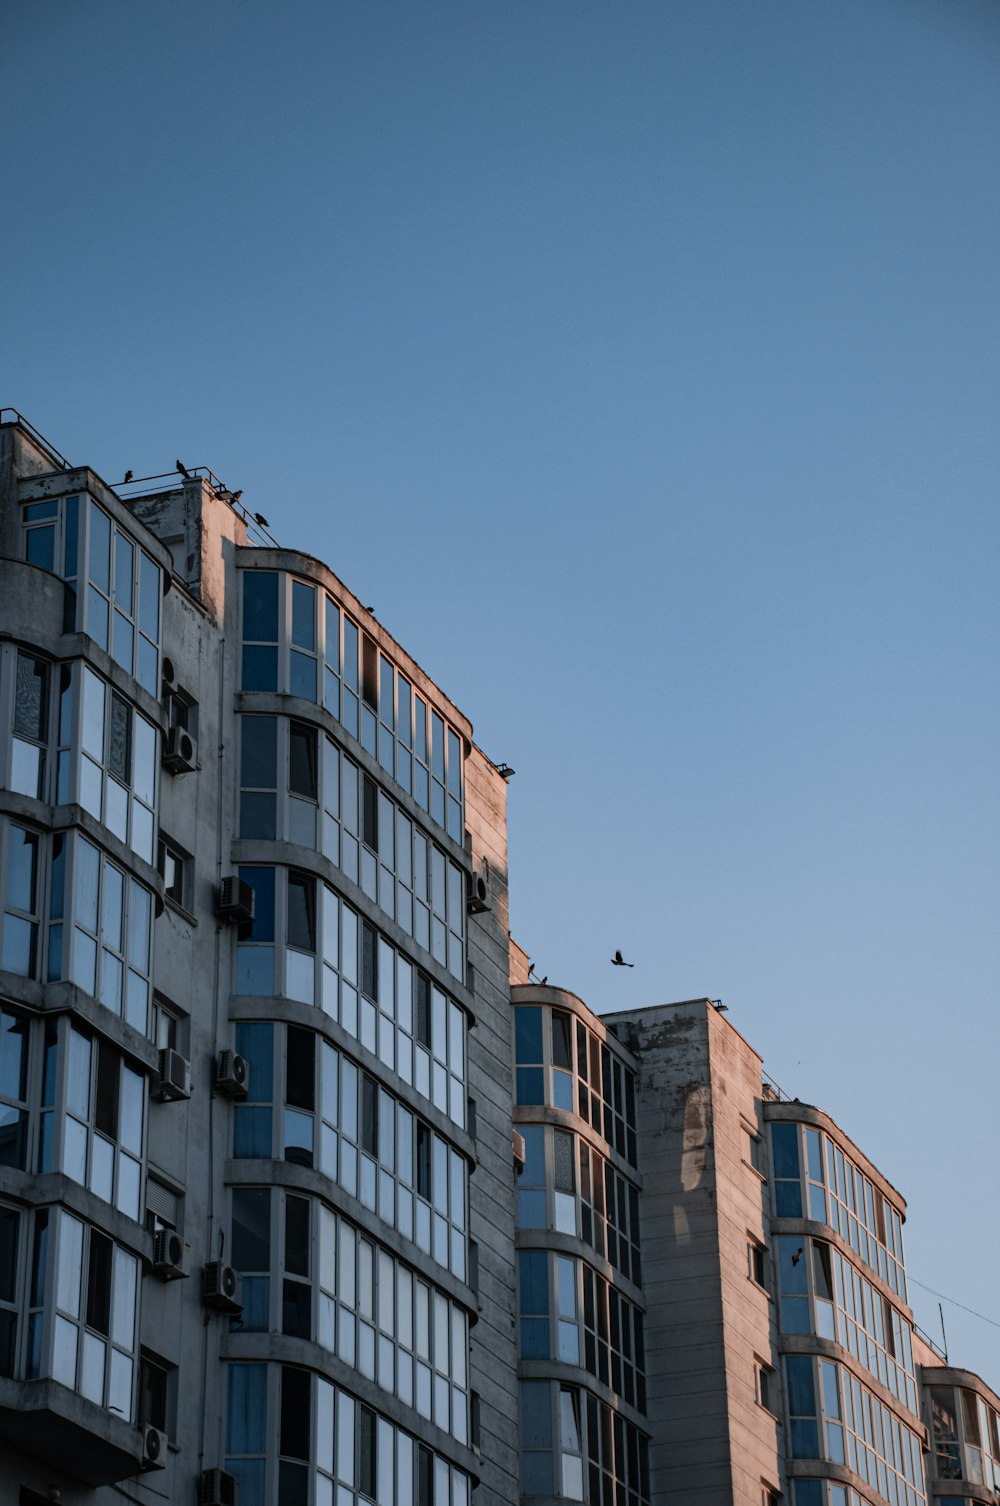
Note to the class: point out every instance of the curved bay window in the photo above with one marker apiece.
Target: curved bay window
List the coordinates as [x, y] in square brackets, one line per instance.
[834, 1417]
[297, 786]
[294, 1438]
[310, 1104]
[74, 739]
[297, 640]
[108, 950]
[569, 1313]
[823, 1293]
[575, 1447]
[311, 1273]
[92, 1115]
[965, 1436]
[115, 587]
[305, 943]
[560, 1063]
[81, 1308]
[567, 1185]
[813, 1178]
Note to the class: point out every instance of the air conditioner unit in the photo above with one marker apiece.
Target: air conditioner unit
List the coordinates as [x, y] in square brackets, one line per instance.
[475, 894]
[232, 1075]
[235, 901]
[219, 1488]
[154, 1449]
[174, 1077]
[221, 1288]
[168, 677]
[170, 1255]
[180, 751]
[520, 1153]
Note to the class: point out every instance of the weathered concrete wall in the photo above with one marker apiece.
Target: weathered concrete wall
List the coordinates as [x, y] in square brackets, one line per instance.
[706, 1321]
[493, 1339]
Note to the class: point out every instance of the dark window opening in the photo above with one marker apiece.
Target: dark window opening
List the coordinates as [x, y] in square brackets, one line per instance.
[366, 1452]
[369, 962]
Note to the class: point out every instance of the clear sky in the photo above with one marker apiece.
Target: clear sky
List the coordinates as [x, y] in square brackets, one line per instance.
[639, 363]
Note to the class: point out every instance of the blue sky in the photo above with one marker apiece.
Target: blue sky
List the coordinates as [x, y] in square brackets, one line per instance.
[639, 362]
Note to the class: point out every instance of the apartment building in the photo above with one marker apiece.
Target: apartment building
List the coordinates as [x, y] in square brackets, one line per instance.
[255, 1230]
[712, 1299]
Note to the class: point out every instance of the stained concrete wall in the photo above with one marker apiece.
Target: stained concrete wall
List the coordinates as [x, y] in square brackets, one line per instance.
[707, 1323]
[493, 1339]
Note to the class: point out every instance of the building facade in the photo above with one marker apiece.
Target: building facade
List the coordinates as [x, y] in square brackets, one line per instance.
[309, 1194]
[760, 1343]
[255, 1237]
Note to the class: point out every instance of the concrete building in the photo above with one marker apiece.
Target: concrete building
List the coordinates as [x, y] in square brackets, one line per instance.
[712, 1294]
[309, 1194]
[255, 1202]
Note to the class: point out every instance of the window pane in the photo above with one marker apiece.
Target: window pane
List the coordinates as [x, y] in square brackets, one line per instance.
[252, 1228]
[149, 597]
[302, 913]
[23, 866]
[302, 761]
[303, 615]
[259, 752]
[247, 1429]
[260, 607]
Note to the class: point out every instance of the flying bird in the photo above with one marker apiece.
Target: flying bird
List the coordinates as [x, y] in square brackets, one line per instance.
[128, 477]
[798, 1255]
[183, 470]
[619, 961]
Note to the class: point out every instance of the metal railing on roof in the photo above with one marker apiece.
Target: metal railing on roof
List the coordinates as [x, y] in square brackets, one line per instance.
[772, 1092]
[11, 416]
[139, 486]
[941, 1353]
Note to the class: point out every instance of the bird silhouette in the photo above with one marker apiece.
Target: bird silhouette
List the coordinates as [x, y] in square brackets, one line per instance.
[183, 470]
[128, 477]
[235, 496]
[619, 961]
[544, 980]
[798, 1255]
[259, 517]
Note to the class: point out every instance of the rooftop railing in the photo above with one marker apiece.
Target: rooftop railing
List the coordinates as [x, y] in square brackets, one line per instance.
[11, 416]
[146, 486]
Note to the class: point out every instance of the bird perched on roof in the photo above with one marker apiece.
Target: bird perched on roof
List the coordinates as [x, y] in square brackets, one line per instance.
[259, 517]
[619, 961]
[128, 477]
[183, 470]
[235, 496]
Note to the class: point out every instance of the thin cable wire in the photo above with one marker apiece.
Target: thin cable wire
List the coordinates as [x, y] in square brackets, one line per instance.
[952, 1300]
